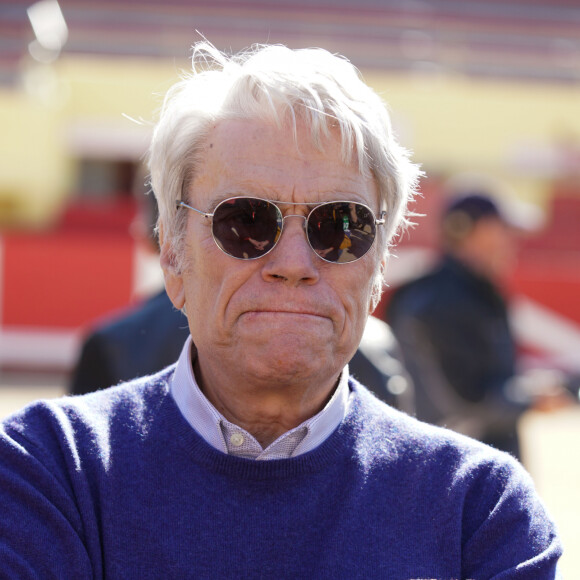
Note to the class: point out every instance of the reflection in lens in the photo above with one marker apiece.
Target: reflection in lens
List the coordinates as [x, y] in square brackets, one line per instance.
[246, 228]
[341, 232]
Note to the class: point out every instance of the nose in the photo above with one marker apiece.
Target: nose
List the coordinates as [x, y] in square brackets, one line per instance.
[292, 260]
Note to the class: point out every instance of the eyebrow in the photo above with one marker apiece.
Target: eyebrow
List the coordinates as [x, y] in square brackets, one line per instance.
[240, 190]
[269, 195]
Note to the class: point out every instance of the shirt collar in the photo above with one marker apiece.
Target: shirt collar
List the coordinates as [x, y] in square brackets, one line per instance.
[232, 439]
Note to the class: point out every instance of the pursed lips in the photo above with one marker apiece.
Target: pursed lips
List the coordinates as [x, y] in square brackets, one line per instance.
[285, 311]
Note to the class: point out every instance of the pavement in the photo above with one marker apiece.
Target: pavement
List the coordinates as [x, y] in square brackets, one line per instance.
[550, 450]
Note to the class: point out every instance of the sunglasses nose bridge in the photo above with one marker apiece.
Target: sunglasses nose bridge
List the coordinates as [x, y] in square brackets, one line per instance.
[305, 218]
[304, 224]
[296, 215]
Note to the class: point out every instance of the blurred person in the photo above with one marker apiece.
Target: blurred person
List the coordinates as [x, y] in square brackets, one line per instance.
[257, 455]
[138, 341]
[453, 328]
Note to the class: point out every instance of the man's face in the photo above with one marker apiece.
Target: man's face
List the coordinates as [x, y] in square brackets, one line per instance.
[492, 246]
[288, 315]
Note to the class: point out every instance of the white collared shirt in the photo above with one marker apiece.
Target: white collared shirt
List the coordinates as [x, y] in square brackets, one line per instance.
[234, 440]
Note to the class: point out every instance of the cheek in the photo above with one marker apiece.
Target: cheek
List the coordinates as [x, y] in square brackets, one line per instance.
[215, 285]
[356, 287]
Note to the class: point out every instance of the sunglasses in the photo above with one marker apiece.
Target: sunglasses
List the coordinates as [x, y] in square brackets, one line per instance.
[248, 228]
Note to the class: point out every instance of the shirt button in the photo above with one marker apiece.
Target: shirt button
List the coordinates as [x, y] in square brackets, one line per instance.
[236, 439]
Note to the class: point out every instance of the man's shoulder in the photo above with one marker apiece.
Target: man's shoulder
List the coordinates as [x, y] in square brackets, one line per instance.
[435, 291]
[411, 293]
[392, 437]
[131, 405]
[143, 390]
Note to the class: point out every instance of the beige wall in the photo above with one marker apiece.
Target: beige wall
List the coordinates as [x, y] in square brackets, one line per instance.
[79, 106]
[516, 130]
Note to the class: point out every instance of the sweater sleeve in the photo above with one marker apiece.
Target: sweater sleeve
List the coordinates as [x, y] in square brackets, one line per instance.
[41, 530]
[507, 533]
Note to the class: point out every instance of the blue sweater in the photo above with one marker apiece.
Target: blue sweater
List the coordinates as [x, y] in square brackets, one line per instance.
[116, 484]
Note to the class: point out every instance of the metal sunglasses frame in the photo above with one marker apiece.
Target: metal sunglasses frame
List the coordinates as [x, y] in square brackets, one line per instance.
[209, 215]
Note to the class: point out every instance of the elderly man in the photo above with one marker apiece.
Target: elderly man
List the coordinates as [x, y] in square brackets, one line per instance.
[280, 185]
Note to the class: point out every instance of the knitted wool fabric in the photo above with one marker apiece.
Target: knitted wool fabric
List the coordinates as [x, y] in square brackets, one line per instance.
[116, 484]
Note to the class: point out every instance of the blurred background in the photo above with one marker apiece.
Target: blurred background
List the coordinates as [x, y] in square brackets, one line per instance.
[481, 88]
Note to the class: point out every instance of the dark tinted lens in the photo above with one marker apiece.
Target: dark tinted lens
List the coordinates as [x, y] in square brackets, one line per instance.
[246, 227]
[341, 231]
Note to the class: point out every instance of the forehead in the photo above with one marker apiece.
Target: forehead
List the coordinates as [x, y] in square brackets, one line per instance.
[245, 157]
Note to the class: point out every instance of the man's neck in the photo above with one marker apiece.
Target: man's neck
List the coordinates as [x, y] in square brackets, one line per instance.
[268, 409]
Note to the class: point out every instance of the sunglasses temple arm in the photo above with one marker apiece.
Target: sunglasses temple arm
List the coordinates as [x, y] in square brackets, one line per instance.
[179, 203]
[381, 219]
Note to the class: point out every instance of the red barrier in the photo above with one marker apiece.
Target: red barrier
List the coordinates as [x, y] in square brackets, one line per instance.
[64, 280]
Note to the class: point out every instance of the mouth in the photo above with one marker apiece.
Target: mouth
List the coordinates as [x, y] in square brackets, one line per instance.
[286, 316]
[282, 313]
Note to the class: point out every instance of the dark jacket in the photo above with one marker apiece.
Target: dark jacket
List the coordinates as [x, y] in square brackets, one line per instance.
[141, 342]
[453, 330]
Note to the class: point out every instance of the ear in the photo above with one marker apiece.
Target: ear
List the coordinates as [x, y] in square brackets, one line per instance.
[173, 278]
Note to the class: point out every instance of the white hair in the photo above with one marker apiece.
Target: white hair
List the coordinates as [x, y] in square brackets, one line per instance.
[275, 83]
